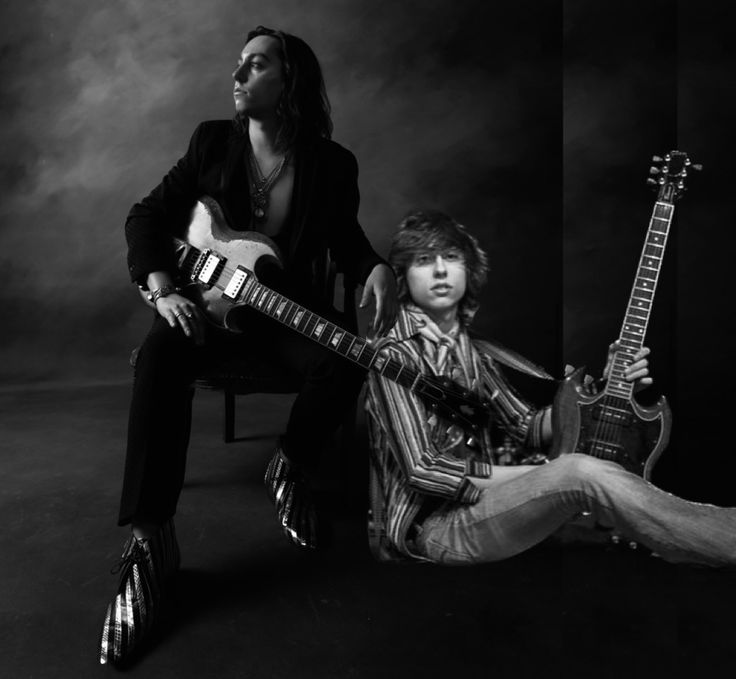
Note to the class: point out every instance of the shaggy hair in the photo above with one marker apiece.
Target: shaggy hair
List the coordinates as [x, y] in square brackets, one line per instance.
[423, 231]
[303, 109]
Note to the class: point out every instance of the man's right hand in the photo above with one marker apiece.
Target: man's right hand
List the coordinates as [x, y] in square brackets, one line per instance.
[182, 312]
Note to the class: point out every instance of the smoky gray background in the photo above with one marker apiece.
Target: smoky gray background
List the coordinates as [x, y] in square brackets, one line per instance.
[531, 122]
[99, 101]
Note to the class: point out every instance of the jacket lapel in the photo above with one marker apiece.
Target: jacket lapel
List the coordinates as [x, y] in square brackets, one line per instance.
[305, 173]
[234, 183]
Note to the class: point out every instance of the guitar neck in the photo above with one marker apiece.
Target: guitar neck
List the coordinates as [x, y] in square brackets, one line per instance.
[638, 311]
[354, 348]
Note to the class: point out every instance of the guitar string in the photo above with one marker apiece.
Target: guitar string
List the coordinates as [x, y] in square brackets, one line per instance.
[412, 375]
[612, 432]
[609, 432]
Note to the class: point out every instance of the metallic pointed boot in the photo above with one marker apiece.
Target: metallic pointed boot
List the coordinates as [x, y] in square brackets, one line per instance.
[144, 567]
[288, 490]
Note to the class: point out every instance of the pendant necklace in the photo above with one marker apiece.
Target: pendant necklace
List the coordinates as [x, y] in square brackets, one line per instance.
[260, 186]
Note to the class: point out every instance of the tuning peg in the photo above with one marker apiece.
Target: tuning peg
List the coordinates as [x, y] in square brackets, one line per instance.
[697, 167]
[652, 182]
[654, 170]
[656, 159]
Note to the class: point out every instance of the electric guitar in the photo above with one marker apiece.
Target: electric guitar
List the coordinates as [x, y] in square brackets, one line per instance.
[612, 425]
[218, 264]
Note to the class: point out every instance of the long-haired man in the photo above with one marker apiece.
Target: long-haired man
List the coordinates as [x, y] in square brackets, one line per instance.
[275, 171]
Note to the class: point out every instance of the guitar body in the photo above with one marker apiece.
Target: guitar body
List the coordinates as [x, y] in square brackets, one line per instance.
[609, 427]
[208, 230]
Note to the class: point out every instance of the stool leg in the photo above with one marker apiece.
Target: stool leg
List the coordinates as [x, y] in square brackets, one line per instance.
[228, 433]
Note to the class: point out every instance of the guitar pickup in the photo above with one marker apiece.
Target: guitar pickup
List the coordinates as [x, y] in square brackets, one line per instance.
[208, 268]
[612, 415]
[236, 284]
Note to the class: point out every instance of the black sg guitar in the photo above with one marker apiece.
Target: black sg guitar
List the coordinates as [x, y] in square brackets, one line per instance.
[612, 425]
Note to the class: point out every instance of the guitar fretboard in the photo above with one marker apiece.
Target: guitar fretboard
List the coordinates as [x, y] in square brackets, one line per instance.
[636, 320]
[352, 347]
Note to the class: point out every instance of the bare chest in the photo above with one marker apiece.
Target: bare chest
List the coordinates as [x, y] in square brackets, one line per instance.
[278, 204]
[270, 193]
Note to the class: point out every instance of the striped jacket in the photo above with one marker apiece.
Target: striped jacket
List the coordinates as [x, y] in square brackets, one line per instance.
[414, 456]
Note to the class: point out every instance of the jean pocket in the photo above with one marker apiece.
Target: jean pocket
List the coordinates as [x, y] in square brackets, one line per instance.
[440, 552]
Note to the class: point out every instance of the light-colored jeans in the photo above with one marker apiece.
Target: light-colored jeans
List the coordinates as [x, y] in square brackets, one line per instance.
[520, 506]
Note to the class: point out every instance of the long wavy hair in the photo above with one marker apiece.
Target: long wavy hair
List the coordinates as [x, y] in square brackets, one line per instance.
[424, 231]
[303, 109]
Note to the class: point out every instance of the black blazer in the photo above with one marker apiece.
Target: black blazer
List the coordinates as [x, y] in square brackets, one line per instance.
[323, 214]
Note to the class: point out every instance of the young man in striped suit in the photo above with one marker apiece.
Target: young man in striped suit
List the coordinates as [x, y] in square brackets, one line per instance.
[435, 497]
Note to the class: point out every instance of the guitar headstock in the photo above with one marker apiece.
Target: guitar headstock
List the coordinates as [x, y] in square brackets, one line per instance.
[671, 172]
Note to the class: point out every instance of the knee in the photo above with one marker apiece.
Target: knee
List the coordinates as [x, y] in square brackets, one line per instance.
[584, 467]
[164, 349]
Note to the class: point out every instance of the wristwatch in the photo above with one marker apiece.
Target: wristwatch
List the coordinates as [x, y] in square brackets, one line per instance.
[163, 291]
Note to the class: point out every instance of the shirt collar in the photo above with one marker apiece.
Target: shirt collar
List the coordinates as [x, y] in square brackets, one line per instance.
[410, 321]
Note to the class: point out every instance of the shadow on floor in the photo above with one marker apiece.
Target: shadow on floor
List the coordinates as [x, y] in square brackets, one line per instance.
[247, 604]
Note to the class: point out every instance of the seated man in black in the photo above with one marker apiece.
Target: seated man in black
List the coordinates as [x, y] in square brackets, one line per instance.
[272, 170]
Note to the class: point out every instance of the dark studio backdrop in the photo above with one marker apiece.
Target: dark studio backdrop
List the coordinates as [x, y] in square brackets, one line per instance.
[530, 122]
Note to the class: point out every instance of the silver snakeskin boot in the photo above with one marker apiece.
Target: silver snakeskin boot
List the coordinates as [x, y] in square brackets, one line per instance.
[288, 490]
[144, 567]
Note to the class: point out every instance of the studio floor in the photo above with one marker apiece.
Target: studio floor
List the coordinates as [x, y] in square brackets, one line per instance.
[248, 605]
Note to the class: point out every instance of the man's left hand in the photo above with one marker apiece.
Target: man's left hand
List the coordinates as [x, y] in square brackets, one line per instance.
[637, 372]
[382, 285]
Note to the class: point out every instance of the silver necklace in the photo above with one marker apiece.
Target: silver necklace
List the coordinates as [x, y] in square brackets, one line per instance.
[260, 186]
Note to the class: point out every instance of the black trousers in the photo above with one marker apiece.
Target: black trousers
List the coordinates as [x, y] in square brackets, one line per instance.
[161, 406]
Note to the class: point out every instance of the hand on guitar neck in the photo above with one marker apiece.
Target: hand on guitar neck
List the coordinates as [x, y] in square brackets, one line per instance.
[637, 371]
